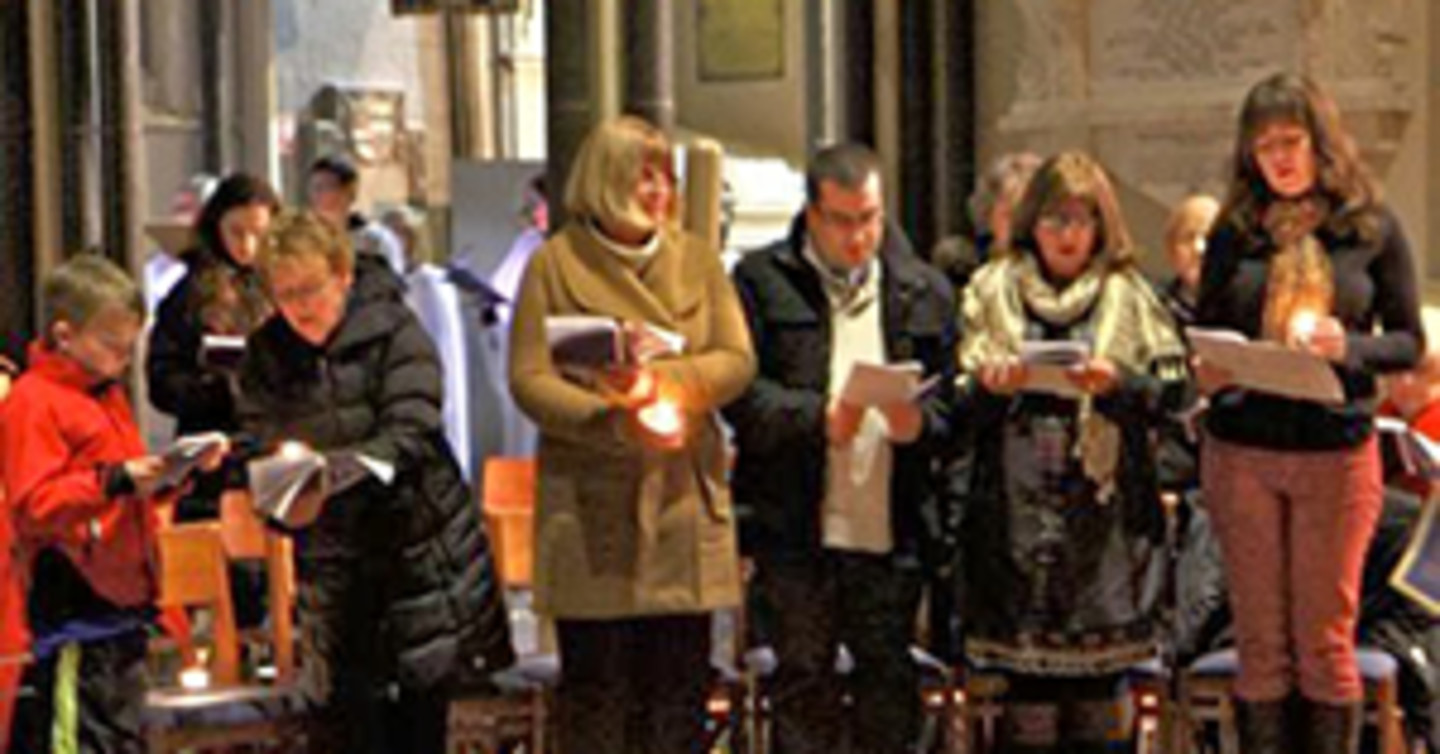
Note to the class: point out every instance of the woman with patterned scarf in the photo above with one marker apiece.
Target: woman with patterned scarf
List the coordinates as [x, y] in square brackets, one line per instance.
[1304, 254]
[1062, 527]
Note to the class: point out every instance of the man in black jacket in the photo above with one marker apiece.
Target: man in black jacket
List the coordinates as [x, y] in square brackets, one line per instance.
[837, 497]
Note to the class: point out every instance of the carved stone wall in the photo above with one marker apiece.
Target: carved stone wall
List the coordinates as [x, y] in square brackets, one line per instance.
[1152, 87]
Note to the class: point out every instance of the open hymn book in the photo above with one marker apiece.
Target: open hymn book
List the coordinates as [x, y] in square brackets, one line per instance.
[1047, 364]
[587, 341]
[1268, 367]
[222, 352]
[290, 486]
[184, 456]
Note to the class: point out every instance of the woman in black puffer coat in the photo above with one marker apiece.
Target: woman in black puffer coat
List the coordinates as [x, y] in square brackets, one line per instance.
[397, 585]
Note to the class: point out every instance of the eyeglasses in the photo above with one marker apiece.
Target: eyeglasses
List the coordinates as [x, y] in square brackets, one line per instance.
[305, 292]
[1059, 221]
[1288, 142]
[848, 220]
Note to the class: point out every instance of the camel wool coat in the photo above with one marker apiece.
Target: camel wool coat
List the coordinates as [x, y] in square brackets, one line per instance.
[624, 530]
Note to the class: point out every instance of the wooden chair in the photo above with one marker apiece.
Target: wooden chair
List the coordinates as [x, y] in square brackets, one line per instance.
[194, 573]
[246, 538]
[509, 507]
[1205, 700]
[517, 713]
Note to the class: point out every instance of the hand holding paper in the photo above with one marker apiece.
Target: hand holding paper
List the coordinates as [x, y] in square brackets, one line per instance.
[202, 452]
[292, 485]
[1050, 367]
[145, 473]
[1268, 367]
[1003, 376]
[1096, 375]
[870, 384]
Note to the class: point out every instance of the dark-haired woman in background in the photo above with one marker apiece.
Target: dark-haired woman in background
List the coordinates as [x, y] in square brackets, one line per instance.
[1303, 254]
[219, 295]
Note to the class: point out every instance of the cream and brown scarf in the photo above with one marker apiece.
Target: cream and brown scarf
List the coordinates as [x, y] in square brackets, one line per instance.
[1131, 328]
[1300, 275]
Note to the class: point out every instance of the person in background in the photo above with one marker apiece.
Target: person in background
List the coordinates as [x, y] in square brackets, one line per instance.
[81, 496]
[1062, 530]
[1304, 254]
[220, 295]
[1185, 233]
[634, 529]
[399, 600]
[402, 223]
[991, 207]
[840, 497]
[534, 219]
[164, 269]
[1414, 394]
[331, 191]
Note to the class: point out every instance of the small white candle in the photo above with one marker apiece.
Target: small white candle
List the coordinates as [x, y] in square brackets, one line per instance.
[195, 678]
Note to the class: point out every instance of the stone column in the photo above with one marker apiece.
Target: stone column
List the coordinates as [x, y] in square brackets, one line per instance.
[649, 33]
[859, 83]
[916, 129]
[567, 92]
[122, 145]
[73, 87]
[20, 45]
[954, 115]
[824, 44]
[886, 104]
[210, 17]
[256, 96]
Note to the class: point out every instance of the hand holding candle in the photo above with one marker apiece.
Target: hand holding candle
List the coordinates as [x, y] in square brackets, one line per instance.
[662, 422]
[1320, 335]
[655, 413]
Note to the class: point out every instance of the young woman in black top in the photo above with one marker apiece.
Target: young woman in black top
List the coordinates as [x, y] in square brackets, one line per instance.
[1305, 254]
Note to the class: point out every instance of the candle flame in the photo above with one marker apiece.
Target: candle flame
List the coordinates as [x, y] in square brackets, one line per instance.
[662, 417]
[1303, 324]
[195, 678]
[291, 449]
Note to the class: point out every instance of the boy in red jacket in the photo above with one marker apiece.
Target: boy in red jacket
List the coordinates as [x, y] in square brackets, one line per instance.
[79, 489]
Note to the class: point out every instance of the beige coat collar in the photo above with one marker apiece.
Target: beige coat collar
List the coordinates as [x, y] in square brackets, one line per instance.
[657, 291]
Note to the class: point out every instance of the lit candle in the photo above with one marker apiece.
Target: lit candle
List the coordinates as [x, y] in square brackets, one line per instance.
[195, 678]
[662, 418]
[1303, 324]
[291, 449]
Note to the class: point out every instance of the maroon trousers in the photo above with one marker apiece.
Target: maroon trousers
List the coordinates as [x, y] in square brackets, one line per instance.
[1294, 528]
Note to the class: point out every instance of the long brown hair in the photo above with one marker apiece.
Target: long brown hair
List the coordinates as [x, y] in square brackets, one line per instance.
[1074, 175]
[1347, 192]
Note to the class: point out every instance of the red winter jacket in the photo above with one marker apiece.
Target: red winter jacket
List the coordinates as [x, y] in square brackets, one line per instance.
[59, 433]
[13, 639]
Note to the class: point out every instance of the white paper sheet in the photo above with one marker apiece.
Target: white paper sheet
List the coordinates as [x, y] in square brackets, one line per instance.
[870, 384]
[1268, 367]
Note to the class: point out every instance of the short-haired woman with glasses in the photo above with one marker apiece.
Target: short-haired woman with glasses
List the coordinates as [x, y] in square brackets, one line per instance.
[635, 533]
[1062, 526]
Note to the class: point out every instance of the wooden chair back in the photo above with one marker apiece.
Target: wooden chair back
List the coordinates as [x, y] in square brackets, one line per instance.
[193, 573]
[509, 507]
[246, 537]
